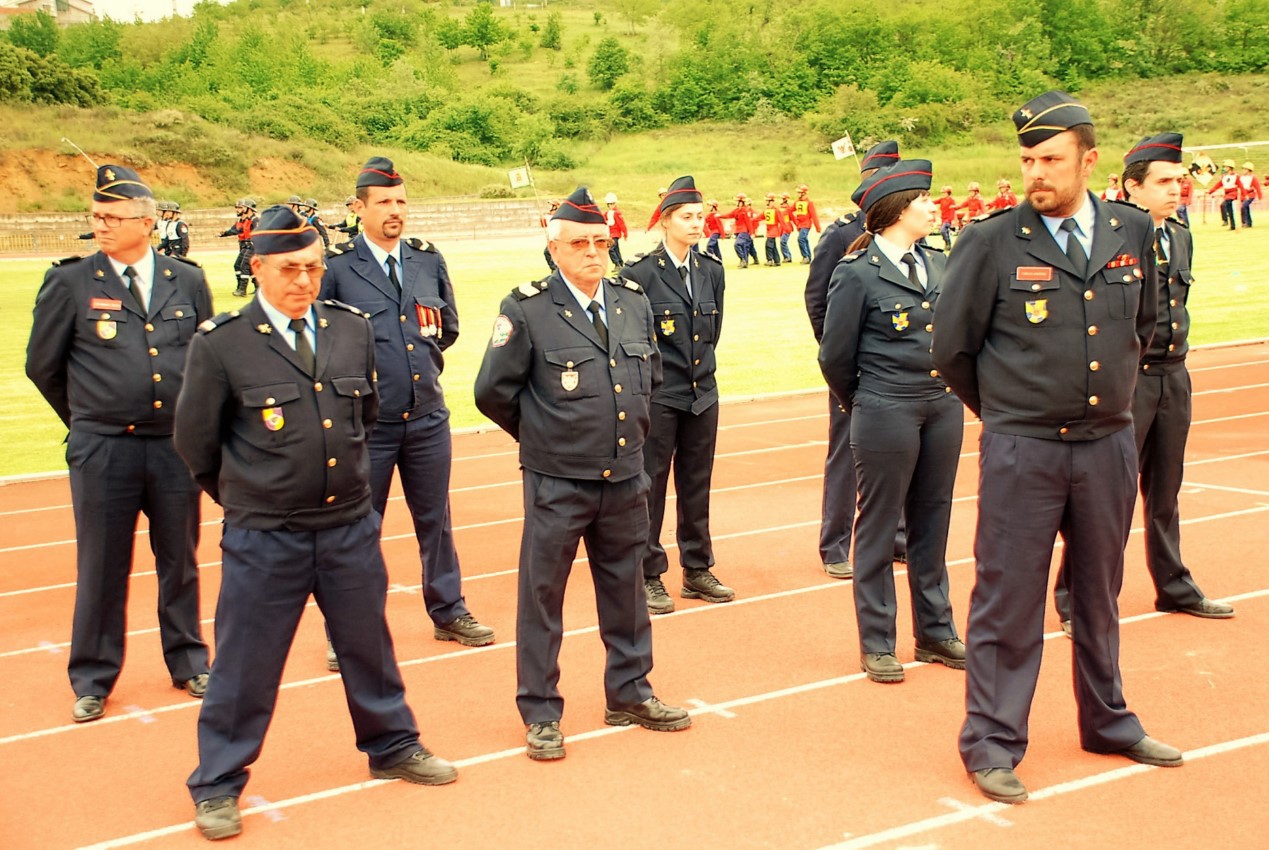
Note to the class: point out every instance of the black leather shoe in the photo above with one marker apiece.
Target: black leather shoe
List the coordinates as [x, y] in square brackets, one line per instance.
[421, 768]
[650, 714]
[88, 708]
[332, 660]
[840, 569]
[950, 652]
[881, 667]
[1000, 784]
[1207, 609]
[1068, 629]
[218, 818]
[195, 686]
[701, 584]
[544, 741]
[659, 601]
[1157, 753]
[466, 631]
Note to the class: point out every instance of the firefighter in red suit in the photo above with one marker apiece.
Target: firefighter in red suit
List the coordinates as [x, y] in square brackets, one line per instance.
[616, 229]
[743, 229]
[804, 218]
[947, 215]
[1227, 185]
[771, 222]
[713, 231]
[1248, 191]
[786, 229]
[973, 205]
[1005, 198]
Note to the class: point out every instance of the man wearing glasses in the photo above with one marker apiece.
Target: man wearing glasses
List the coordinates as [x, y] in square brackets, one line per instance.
[569, 373]
[403, 286]
[107, 351]
[273, 424]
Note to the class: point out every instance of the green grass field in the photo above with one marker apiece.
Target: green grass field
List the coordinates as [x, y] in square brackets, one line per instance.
[766, 346]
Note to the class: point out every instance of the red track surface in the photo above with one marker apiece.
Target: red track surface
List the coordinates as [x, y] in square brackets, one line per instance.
[790, 747]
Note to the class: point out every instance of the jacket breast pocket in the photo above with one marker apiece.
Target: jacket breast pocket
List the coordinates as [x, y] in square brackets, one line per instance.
[708, 321]
[180, 320]
[638, 355]
[1123, 285]
[266, 409]
[353, 391]
[897, 315]
[671, 321]
[106, 327]
[572, 374]
[383, 317]
[1034, 299]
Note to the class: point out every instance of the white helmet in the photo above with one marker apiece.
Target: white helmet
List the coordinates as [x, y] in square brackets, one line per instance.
[610, 198]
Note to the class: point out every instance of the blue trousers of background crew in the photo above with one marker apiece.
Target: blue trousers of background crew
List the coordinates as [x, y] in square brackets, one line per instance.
[613, 520]
[744, 246]
[906, 454]
[711, 247]
[784, 248]
[266, 580]
[1030, 490]
[804, 243]
[422, 449]
[113, 479]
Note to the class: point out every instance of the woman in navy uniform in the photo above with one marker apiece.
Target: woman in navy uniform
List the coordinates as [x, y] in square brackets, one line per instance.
[905, 424]
[686, 294]
[272, 423]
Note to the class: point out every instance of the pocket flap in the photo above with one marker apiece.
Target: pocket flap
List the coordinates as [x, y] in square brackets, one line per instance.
[270, 395]
[351, 385]
[896, 303]
[178, 311]
[642, 350]
[568, 357]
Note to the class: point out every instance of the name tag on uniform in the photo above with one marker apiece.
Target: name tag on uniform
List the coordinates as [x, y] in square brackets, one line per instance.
[1034, 273]
[105, 304]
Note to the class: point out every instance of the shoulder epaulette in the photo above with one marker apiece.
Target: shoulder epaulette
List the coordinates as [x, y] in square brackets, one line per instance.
[528, 290]
[628, 284]
[216, 321]
[340, 305]
[711, 257]
[66, 261]
[848, 218]
[992, 214]
[1177, 222]
[186, 260]
[420, 244]
[853, 255]
[1124, 202]
[637, 258]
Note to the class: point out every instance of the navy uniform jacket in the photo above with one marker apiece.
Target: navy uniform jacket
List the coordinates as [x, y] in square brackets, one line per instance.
[1172, 331]
[408, 340]
[103, 366]
[687, 327]
[577, 410]
[276, 447]
[1030, 348]
[179, 244]
[829, 250]
[878, 328]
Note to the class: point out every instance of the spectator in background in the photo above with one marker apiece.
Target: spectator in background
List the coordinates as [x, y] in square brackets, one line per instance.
[616, 229]
[1248, 191]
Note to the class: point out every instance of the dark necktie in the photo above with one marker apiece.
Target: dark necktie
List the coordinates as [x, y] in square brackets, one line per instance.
[1161, 258]
[392, 274]
[1074, 250]
[303, 350]
[135, 291]
[912, 272]
[686, 286]
[600, 327]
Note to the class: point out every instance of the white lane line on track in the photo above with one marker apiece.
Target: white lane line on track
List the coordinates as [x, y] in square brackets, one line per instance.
[1225, 390]
[968, 813]
[724, 707]
[1193, 485]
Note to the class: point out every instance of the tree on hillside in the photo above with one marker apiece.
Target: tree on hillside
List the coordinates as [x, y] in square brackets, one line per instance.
[37, 33]
[90, 43]
[26, 77]
[450, 34]
[551, 33]
[482, 29]
[635, 11]
[609, 62]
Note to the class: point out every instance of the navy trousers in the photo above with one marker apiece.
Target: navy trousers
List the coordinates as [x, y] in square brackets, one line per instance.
[113, 479]
[613, 520]
[837, 515]
[422, 449]
[688, 440]
[906, 454]
[1030, 490]
[267, 578]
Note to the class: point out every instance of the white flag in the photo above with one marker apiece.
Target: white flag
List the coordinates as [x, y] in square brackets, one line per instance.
[519, 177]
[843, 148]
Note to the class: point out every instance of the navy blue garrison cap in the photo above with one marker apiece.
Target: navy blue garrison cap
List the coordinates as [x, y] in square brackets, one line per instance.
[378, 171]
[1165, 147]
[681, 191]
[580, 207]
[119, 183]
[903, 175]
[880, 155]
[1043, 117]
[281, 230]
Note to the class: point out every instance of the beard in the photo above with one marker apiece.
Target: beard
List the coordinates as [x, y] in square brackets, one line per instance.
[1046, 199]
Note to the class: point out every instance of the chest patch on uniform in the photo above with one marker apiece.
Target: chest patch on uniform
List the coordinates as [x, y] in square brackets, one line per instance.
[900, 321]
[107, 330]
[1034, 273]
[273, 418]
[105, 304]
[1037, 310]
[667, 327]
[568, 380]
[501, 332]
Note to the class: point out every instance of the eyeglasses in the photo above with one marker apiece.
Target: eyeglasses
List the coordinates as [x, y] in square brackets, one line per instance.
[601, 244]
[113, 221]
[291, 273]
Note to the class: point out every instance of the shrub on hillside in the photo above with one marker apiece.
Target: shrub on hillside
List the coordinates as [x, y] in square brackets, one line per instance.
[609, 61]
[496, 190]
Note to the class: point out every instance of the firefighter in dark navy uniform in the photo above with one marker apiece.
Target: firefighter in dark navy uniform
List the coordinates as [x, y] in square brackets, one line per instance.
[838, 506]
[1161, 400]
[404, 286]
[245, 209]
[179, 239]
[1039, 331]
[272, 422]
[905, 423]
[569, 372]
[107, 351]
[686, 294]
